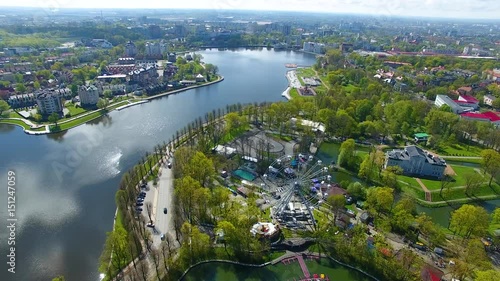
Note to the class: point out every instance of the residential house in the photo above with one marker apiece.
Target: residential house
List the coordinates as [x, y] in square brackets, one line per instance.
[493, 75]
[49, 101]
[155, 49]
[312, 47]
[488, 116]
[130, 49]
[464, 90]
[144, 76]
[22, 100]
[488, 99]
[89, 95]
[414, 161]
[7, 76]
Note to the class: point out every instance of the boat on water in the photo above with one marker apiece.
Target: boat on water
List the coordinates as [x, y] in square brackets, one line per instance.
[291, 65]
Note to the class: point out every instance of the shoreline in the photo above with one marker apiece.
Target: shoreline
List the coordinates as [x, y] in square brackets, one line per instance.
[32, 126]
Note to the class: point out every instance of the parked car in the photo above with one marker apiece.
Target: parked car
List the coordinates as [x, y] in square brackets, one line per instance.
[140, 199]
[169, 165]
[138, 209]
[351, 213]
[150, 225]
[139, 203]
[162, 237]
[164, 210]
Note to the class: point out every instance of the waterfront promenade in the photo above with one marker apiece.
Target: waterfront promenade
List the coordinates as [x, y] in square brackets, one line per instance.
[31, 128]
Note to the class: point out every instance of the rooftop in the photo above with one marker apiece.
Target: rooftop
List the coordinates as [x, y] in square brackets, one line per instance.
[468, 98]
[421, 135]
[415, 151]
[489, 115]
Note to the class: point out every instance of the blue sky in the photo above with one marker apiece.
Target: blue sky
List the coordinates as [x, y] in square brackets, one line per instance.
[434, 8]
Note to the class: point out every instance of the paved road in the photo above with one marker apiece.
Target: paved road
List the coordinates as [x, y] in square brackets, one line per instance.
[164, 199]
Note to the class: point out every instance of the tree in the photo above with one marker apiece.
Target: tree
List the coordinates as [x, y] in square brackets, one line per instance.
[53, 118]
[469, 220]
[36, 85]
[116, 245]
[74, 89]
[495, 216]
[380, 199]
[200, 168]
[356, 190]
[488, 275]
[149, 210]
[372, 165]
[20, 88]
[195, 247]
[346, 153]
[474, 258]
[59, 278]
[4, 106]
[473, 181]
[102, 103]
[445, 183]
[490, 161]
[337, 203]
[107, 93]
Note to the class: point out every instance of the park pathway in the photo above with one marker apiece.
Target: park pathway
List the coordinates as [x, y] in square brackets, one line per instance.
[428, 194]
[303, 266]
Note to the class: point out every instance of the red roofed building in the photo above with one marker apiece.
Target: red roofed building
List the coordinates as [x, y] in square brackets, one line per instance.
[467, 104]
[488, 116]
[469, 99]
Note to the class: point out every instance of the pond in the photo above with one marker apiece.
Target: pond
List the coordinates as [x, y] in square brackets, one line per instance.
[328, 152]
[441, 215]
[216, 271]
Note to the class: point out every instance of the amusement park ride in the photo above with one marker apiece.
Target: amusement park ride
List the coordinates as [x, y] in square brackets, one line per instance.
[299, 184]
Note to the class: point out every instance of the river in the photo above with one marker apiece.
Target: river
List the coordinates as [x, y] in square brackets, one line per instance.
[66, 182]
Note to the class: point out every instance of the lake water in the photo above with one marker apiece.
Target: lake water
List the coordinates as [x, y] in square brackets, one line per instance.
[66, 182]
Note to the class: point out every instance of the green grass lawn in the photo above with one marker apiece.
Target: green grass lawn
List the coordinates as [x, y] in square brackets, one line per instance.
[459, 179]
[307, 72]
[349, 88]
[461, 150]
[14, 114]
[79, 121]
[74, 111]
[457, 161]
[15, 122]
[294, 93]
[459, 193]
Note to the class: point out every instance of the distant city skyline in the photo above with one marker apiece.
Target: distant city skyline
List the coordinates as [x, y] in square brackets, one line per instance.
[470, 9]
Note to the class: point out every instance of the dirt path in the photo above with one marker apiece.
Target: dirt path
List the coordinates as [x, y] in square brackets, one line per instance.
[428, 194]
